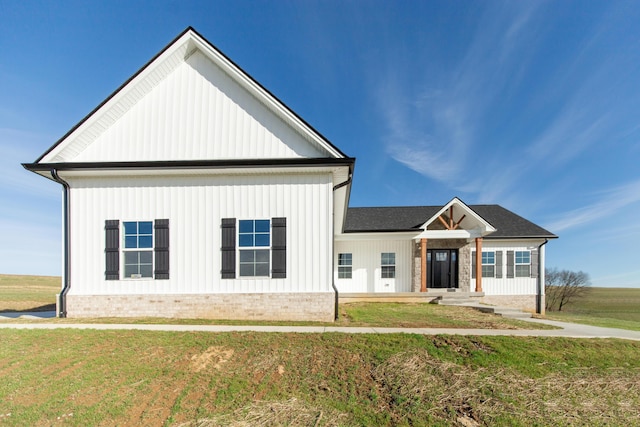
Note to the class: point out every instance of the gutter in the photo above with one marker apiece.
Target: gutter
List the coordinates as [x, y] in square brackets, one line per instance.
[336, 309]
[541, 277]
[66, 285]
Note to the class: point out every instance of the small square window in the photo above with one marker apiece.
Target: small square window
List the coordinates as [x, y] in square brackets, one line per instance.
[345, 265]
[254, 262]
[254, 233]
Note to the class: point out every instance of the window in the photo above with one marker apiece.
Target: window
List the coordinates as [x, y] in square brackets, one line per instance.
[254, 240]
[344, 266]
[388, 264]
[138, 249]
[142, 246]
[488, 264]
[523, 264]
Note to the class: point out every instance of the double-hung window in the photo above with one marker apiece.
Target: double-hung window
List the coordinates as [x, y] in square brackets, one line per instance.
[345, 264]
[488, 264]
[523, 263]
[141, 246]
[254, 241]
[138, 249]
[388, 265]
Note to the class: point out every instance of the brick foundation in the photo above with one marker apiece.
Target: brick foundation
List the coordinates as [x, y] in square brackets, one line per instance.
[318, 306]
[524, 302]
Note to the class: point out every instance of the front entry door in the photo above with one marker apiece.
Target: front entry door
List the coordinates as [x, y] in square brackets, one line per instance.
[442, 268]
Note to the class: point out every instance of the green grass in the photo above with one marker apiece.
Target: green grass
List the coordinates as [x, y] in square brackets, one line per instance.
[28, 293]
[90, 377]
[606, 307]
[388, 315]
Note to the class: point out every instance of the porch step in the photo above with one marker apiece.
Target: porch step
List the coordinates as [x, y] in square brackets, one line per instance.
[512, 313]
[455, 299]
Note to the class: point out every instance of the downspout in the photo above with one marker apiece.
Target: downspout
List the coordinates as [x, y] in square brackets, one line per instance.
[62, 297]
[541, 277]
[336, 309]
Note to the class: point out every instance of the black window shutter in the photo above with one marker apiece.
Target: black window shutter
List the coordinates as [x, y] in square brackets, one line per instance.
[473, 264]
[510, 265]
[534, 263]
[498, 264]
[161, 249]
[279, 248]
[228, 248]
[112, 249]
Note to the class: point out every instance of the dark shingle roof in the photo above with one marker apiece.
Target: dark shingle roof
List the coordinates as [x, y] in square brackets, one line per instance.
[410, 218]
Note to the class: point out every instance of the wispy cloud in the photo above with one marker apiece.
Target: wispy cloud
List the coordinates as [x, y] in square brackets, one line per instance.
[609, 202]
[433, 119]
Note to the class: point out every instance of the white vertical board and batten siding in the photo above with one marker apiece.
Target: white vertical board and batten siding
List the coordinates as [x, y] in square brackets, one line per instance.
[195, 206]
[197, 112]
[504, 285]
[366, 266]
[114, 108]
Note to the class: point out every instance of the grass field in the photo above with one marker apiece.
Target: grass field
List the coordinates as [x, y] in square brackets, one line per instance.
[89, 377]
[28, 293]
[608, 307]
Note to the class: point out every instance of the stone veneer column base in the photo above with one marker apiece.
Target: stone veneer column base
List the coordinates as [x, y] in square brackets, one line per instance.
[316, 306]
[523, 302]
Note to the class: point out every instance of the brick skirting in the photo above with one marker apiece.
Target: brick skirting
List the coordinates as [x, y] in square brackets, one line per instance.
[524, 302]
[317, 306]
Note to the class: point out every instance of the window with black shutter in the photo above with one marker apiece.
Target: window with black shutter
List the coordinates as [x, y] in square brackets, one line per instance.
[112, 249]
[228, 248]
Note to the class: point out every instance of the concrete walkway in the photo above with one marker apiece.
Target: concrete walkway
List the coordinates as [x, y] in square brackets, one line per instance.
[569, 330]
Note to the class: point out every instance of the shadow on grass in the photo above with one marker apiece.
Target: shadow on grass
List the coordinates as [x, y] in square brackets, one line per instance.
[46, 307]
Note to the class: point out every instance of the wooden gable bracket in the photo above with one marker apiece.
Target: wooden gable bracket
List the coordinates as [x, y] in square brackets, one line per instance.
[450, 225]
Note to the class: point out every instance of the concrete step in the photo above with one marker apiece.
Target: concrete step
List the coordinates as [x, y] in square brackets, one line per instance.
[512, 313]
[454, 301]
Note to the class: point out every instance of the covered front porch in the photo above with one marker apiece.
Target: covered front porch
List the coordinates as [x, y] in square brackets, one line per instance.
[443, 250]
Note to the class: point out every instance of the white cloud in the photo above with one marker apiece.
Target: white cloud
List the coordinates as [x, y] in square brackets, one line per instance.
[433, 117]
[609, 202]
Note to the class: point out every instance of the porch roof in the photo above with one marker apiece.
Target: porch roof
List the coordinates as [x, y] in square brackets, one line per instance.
[412, 218]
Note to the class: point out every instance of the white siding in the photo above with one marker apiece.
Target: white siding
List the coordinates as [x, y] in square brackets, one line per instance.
[366, 275]
[196, 112]
[195, 206]
[504, 285]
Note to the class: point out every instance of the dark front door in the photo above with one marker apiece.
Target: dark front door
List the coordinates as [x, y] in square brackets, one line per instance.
[442, 268]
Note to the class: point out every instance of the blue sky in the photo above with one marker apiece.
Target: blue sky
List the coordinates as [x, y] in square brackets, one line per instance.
[532, 105]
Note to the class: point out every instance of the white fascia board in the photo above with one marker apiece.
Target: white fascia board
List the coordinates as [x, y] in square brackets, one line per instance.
[401, 235]
[531, 243]
[448, 234]
[488, 228]
[261, 94]
[193, 171]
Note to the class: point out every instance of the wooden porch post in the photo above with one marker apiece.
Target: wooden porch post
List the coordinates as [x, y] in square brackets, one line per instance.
[478, 264]
[423, 265]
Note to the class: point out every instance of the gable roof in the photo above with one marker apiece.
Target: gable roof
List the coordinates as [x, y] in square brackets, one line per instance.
[412, 218]
[189, 46]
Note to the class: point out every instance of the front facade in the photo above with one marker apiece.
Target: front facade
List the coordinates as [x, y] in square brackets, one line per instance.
[486, 251]
[194, 192]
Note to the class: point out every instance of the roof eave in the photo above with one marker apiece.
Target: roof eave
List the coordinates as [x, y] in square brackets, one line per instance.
[191, 164]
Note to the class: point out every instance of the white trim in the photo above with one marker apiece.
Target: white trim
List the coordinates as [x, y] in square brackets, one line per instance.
[484, 227]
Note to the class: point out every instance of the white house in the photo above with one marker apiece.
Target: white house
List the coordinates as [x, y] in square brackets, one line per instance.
[193, 192]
